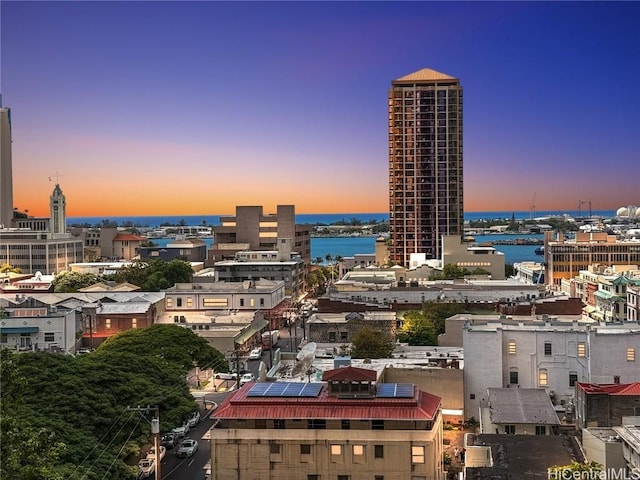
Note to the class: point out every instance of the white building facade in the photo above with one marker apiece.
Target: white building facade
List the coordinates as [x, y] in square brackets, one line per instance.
[552, 354]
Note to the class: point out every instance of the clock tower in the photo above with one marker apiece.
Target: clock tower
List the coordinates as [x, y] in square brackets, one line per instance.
[57, 204]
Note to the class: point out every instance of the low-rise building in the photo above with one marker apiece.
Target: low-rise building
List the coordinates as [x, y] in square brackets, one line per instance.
[339, 428]
[518, 411]
[550, 353]
[604, 405]
[37, 329]
[341, 327]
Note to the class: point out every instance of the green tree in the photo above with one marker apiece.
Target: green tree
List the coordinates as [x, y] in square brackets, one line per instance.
[70, 282]
[65, 417]
[417, 329]
[6, 268]
[369, 343]
[155, 275]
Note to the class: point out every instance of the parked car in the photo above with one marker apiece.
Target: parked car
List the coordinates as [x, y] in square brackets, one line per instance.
[151, 454]
[188, 447]
[255, 354]
[181, 431]
[194, 419]
[226, 376]
[169, 440]
[247, 377]
[146, 468]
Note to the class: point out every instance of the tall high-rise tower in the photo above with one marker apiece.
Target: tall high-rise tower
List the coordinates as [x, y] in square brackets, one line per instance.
[57, 206]
[425, 163]
[6, 173]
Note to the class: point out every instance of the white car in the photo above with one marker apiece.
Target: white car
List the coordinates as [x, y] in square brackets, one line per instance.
[181, 431]
[194, 419]
[255, 354]
[188, 447]
[247, 377]
[151, 454]
[146, 468]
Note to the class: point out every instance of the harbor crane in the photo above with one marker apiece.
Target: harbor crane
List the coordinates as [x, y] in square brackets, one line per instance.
[580, 203]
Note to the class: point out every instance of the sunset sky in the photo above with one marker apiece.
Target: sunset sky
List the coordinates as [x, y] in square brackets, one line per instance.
[188, 108]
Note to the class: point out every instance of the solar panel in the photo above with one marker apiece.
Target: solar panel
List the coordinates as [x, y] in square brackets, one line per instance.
[394, 390]
[285, 389]
[311, 389]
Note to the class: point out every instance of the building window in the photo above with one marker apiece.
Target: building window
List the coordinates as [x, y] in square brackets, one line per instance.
[358, 450]
[313, 476]
[344, 336]
[274, 448]
[262, 302]
[417, 454]
[377, 424]
[472, 396]
[547, 348]
[346, 424]
[378, 477]
[107, 323]
[378, 451]
[344, 477]
[316, 424]
[631, 354]
[278, 424]
[336, 449]
[510, 429]
[512, 347]
[169, 302]
[543, 379]
[3, 338]
[189, 302]
[134, 323]
[252, 302]
[242, 302]
[513, 377]
[48, 337]
[541, 430]
[179, 302]
[260, 423]
[573, 378]
[305, 449]
[333, 337]
[582, 349]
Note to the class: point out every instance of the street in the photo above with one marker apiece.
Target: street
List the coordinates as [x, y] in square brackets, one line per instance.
[193, 468]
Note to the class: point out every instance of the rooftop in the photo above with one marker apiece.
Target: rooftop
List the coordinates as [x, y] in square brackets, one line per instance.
[610, 388]
[521, 406]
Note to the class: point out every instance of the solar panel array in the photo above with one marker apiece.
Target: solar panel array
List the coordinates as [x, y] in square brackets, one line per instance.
[394, 390]
[285, 389]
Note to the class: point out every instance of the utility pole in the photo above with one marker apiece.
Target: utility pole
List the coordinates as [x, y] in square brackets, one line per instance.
[155, 430]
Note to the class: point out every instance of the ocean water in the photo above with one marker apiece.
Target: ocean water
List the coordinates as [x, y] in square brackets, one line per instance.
[322, 218]
[349, 246]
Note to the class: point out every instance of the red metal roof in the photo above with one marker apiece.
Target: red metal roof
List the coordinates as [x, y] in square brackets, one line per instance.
[353, 374]
[611, 388]
[422, 406]
[121, 237]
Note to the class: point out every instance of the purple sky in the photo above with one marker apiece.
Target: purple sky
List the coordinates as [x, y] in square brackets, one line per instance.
[185, 108]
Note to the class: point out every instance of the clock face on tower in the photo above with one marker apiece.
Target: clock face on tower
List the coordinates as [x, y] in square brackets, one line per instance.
[55, 207]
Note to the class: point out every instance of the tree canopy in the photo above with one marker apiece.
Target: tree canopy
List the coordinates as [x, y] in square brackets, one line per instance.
[369, 343]
[69, 282]
[423, 327]
[155, 275]
[65, 417]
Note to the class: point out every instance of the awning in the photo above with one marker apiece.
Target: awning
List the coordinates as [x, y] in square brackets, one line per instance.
[589, 309]
[245, 335]
[19, 329]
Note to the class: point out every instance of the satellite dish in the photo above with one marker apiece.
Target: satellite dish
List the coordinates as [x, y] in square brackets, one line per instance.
[304, 359]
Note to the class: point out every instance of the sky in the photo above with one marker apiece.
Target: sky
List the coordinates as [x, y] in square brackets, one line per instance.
[189, 108]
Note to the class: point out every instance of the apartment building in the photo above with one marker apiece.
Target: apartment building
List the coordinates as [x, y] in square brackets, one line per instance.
[346, 427]
[425, 163]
